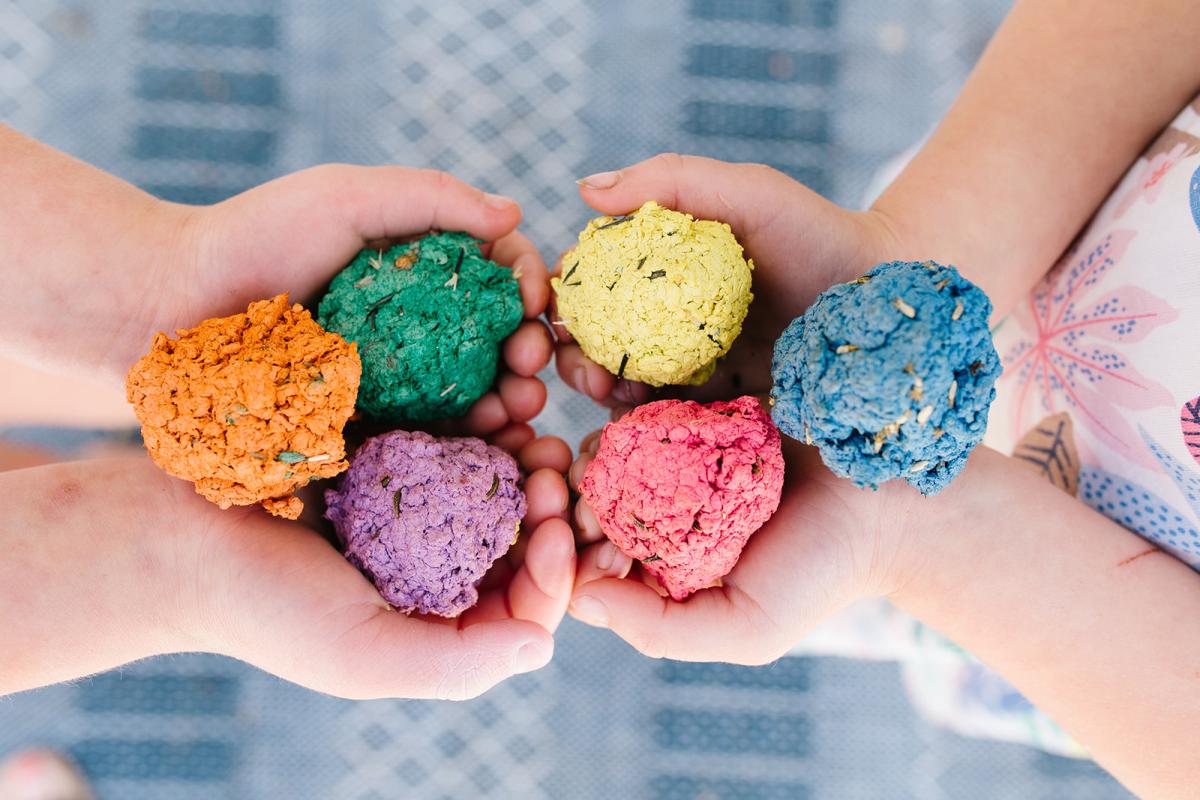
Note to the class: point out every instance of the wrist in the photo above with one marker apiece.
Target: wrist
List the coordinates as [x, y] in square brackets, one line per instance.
[160, 535]
[871, 534]
[950, 535]
[163, 248]
[92, 571]
[879, 239]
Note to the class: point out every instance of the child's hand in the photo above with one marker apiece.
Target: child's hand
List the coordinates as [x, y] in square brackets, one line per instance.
[127, 265]
[827, 545]
[801, 245]
[110, 561]
[295, 233]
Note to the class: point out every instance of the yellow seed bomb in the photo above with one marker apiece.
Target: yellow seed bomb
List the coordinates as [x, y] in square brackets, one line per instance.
[656, 296]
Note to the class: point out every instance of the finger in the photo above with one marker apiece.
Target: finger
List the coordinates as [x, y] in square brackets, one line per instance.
[557, 326]
[493, 601]
[516, 251]
[582, 374]
[601, 560]
[545, 452]
[544, 459]
[499, 576]
[579, 469]
[393, 201]
[587, 527]
[591, 442]
[642, 574]
[747, 196]
[529, 349]
[632, 393]
[486, 416]
[546, 493]
[513, 437]
[523, 398]
[618, 410]
[541, 588]
[712, 625]
[516, 554]
[391, 655]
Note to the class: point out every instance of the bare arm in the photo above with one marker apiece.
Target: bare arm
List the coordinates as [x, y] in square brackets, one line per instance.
[93, 266]
[1093, 624]
[109, 561]
[1096, 626]
[1087, 619]
[1065, 98]
[83, 256]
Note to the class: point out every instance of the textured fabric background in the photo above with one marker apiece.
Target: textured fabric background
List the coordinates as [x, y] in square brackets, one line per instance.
[198, 99]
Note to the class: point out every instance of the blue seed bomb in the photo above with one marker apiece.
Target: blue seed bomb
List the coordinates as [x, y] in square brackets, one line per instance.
[890, 375]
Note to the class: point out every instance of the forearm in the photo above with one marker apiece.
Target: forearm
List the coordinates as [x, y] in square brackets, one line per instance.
[1065, 98]
[1093, 624]
[82, 254]
[83, 572]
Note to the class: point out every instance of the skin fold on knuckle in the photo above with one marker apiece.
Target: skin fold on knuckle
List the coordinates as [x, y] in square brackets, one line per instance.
[441, 184]
[648, 638]
[671, 162]
[468, 675]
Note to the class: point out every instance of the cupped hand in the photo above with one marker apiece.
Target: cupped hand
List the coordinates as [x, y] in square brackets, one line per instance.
[295, 233]
[827, 545]
[801, 245]
[278, 596]
[111, 560]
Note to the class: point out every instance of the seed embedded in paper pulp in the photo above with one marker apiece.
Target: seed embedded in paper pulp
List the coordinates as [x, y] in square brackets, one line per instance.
[904, 308]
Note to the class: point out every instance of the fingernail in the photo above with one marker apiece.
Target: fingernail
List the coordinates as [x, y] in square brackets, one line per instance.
[605, 556]
[579, 380]
[498, 201]
[589, 610]
[533, 656]
[601, 180]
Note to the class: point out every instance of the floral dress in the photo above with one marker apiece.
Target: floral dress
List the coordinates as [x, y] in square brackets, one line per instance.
[1101, 396]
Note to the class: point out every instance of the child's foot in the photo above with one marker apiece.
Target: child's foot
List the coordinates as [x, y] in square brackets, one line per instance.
[41, 775]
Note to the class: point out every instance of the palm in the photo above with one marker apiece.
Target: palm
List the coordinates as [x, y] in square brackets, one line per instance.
[800, 243]
[820, 550]
[293, 235]
[790, 271]
[277, 595]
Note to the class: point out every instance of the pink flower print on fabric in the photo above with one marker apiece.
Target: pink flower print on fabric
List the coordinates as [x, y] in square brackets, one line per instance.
[1071, 354]
[1146, 178]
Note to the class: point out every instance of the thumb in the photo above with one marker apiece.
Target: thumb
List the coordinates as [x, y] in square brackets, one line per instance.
[715, 624]
[779, 221]
[392, 655]
[389, 202]
[747, 196]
